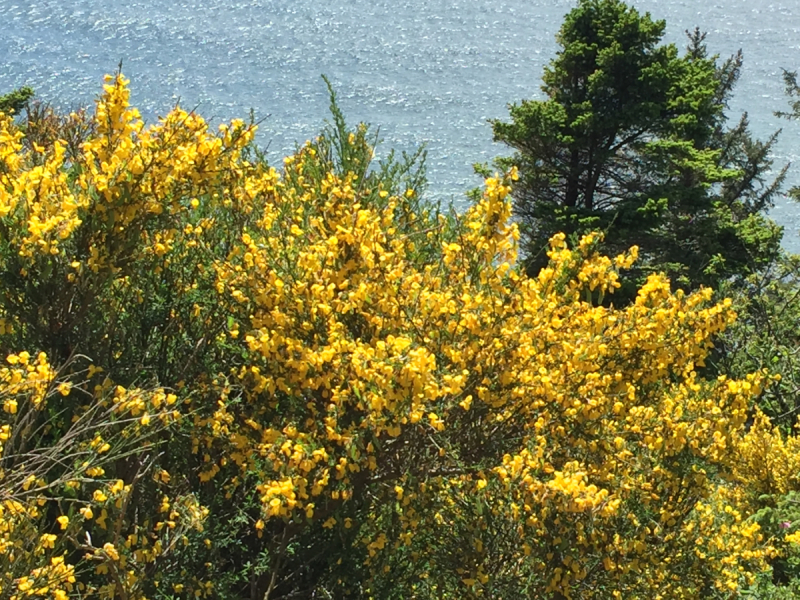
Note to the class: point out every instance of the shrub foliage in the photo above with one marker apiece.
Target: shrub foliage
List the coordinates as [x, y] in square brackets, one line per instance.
[307, 382]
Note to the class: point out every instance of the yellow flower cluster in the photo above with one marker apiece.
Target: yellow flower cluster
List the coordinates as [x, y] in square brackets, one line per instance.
[34, 551]
[24, 377]
[378, 354]
[356, 344]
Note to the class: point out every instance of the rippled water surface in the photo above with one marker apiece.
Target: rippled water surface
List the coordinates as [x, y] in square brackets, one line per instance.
[429, 71]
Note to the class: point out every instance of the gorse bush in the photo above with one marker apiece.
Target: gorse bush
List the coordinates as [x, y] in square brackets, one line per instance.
[64, 498]
[308, 382]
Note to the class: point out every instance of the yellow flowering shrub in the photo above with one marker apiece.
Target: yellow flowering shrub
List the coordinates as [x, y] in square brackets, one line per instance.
[366, 396]
[55, 496]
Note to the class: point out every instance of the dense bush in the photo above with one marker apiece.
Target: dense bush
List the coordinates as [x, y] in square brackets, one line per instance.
[307, 382]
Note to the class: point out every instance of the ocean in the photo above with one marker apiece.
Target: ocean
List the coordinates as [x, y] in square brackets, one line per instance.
[427, 72]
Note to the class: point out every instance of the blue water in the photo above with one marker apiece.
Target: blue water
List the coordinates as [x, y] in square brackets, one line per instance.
[425, 71]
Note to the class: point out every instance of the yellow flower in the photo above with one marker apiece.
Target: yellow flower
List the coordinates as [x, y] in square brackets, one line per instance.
[793, 538]
[111, 551]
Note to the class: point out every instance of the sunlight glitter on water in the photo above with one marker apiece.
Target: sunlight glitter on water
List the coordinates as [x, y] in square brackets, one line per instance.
[424, 72]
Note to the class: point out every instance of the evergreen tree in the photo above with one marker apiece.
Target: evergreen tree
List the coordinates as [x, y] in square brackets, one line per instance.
[14, 101]
[633, 139]
[793, 92]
